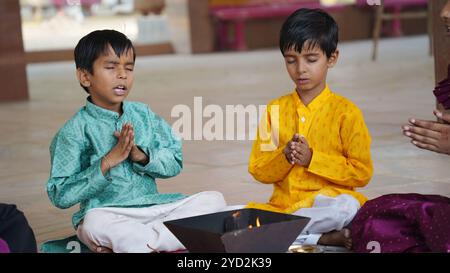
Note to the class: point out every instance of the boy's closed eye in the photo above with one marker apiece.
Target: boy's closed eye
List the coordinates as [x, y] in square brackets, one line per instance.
[290, 60]
[130, 68]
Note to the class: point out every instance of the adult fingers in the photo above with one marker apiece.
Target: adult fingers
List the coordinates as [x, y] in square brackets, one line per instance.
[427, 124]
[407, 129]
[421, 138]
[425, 146]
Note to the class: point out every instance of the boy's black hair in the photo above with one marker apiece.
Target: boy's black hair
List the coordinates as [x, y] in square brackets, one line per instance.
[96, 43]
[313, 26]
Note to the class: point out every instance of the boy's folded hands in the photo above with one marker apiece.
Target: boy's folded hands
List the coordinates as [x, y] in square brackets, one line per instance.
[125, 142]
[297, 151]
[124, 149]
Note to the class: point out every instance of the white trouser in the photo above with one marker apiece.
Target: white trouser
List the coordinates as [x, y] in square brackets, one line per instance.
[132, 229]
[327, 214]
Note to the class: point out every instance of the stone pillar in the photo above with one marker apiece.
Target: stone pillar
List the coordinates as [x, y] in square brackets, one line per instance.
[441, 46]
[13, 75]
[201, 28]
[441, 41]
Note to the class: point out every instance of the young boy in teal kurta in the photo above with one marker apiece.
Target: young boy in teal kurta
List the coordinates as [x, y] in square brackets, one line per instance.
[107, 156]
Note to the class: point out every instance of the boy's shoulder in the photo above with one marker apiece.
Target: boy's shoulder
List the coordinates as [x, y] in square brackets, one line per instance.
[74, 125]
[137, 106]
[281, 100]
[141, 109]
[345, 104]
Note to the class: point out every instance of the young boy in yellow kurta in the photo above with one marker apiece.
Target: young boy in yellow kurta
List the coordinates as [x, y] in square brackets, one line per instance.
[320, 143]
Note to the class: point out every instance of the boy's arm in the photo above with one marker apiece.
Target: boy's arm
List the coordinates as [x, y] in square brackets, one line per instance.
[268, 164]
[69, 184]
[353, 168]
[164, 152]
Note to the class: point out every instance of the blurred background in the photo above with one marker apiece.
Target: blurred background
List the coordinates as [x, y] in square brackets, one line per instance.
[199, 25]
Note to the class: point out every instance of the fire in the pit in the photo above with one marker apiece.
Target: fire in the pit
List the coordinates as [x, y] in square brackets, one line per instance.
[235, 222]
[258, 223]
[235, 231]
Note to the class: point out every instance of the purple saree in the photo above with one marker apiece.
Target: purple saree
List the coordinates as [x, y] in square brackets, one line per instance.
[403, 223]
[3, 247]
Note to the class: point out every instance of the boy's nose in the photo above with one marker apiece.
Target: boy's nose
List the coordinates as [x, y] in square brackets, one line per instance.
[300, 68]
[122, 74]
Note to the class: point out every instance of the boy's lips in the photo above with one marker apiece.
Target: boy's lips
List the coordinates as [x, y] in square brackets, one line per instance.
[303, 81]
[120, 90]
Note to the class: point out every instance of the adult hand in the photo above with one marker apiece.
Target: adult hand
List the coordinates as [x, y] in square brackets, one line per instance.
[430, 135]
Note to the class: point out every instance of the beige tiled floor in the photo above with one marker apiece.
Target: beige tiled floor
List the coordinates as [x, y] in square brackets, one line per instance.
[388, 91]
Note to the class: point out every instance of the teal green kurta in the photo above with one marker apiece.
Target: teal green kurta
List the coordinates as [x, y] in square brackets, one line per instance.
[77, 150]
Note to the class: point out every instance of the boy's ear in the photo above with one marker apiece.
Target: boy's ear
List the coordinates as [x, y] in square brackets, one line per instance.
[83, 77]
[333, 58]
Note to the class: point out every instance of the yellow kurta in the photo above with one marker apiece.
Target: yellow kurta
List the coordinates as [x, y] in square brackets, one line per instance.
[335, 130]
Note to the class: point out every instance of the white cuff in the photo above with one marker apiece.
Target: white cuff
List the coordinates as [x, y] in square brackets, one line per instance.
[308, 239]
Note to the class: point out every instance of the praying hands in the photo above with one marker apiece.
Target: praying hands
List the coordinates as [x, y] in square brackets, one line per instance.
[135, 154]
[297, 151]
[430, 135]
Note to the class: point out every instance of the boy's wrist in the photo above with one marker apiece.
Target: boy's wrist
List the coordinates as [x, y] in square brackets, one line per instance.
[310, 157]
[143, 158]
[143, 161]
[105, 165]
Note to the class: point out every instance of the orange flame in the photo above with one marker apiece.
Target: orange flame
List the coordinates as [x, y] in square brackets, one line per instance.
[258, 223]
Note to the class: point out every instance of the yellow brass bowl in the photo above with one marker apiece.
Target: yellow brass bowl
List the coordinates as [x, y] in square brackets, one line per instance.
[305, 249]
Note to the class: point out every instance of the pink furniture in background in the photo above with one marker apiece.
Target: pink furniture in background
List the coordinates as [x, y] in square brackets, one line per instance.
[233, 18]
[394, 10]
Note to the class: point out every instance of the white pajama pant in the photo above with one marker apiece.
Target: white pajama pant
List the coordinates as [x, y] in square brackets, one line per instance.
[141, 229]
[327, 214]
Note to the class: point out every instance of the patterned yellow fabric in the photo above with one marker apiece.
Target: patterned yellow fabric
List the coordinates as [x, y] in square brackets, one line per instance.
[335, 130]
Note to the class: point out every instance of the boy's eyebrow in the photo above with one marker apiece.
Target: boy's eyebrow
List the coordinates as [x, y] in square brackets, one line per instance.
[116, 62]
[312, 54]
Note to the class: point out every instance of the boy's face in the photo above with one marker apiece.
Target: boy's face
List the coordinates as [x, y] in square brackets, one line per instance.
[111, 80]
[308, 69]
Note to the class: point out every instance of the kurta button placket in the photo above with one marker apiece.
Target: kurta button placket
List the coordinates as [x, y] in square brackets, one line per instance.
[118, 127]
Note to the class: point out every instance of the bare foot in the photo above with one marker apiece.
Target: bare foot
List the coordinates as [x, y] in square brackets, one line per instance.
[337, 238]
[102, 249]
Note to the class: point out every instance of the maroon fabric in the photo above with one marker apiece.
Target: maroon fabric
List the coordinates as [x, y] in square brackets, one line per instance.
[442, 91]
[403, 223]
[4, 247]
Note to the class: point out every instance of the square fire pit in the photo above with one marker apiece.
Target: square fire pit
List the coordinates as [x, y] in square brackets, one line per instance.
[238, 231]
